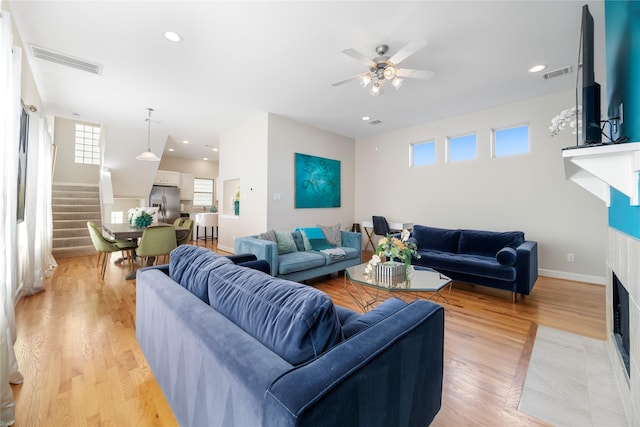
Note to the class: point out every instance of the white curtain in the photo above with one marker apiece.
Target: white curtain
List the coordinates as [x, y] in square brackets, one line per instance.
[10, 63]
[36, 253]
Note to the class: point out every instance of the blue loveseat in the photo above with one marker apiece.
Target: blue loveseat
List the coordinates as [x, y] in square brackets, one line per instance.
[302, 264]
[233, 346]
[502, 260]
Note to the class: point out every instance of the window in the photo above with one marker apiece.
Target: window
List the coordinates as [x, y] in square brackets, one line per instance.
[423, 153]
[462, 148]
[117, 217]
[87, 144]
[511, 141]
[202, 192]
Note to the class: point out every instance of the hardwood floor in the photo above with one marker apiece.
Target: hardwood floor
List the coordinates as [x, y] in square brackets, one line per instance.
[82, 365]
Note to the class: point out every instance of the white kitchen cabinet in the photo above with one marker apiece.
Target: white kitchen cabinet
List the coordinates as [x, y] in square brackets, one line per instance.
[186, 186]
[168, 178]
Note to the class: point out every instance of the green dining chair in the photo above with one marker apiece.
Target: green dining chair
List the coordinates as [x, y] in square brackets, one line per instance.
[157, 241]
[187, 223]
[106, 246]
[178, 222]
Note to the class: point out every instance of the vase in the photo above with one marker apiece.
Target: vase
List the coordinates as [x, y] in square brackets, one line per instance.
[236, 207]
[390, 273]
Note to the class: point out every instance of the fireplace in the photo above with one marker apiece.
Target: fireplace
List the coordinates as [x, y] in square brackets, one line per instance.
[620, 321]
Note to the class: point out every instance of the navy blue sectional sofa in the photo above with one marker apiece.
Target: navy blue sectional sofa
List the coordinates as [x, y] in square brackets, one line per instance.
[502, 260]
[233, 346]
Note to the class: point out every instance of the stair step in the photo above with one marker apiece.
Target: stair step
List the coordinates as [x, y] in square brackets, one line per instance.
[75, 208]
[73, 251]
[66, 242]
[76, 216]
[82, 194]
[66, 224]
[70, 232]
[94, 201]
[73, 187]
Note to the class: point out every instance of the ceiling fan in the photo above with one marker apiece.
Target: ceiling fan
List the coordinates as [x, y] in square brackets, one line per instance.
[384, 67]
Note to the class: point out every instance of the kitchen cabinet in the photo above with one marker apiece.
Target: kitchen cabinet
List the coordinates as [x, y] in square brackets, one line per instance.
[186, 186]
[168, 178]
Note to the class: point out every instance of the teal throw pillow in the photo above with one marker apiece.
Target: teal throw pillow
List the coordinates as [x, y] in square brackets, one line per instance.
[316, 238]
[286, 244]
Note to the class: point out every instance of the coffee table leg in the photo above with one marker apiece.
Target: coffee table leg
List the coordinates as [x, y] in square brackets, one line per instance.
[360, 294]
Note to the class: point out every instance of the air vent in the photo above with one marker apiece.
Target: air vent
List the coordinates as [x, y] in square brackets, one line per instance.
[375, 122]
[557, 73]
[66, 60]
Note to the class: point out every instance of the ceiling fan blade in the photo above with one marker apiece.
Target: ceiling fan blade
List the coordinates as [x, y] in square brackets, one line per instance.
[359, 57]
[347, 80]
[408, 50]
[414, 74]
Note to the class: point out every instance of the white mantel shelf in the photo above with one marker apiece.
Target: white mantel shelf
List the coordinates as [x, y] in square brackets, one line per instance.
[599, 168]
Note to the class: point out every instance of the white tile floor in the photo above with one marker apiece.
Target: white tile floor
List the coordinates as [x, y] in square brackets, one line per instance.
[570, 382]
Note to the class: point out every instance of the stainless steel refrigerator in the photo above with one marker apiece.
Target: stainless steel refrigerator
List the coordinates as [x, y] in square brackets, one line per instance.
[167, 200]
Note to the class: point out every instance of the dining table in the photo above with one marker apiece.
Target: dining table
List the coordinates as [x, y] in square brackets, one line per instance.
[125, 231]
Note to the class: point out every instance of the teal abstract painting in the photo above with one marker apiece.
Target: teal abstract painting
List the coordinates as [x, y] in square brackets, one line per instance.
[317, 182]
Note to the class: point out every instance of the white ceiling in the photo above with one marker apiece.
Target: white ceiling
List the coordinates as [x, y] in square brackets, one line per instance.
[238, 59]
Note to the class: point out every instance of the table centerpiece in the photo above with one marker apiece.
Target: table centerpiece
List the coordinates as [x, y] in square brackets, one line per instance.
[391, 263]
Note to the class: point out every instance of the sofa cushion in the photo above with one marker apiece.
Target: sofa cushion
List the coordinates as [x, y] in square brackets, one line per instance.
[298, 261]
[488, 243]
[355, 324]
[471, 264]
[190, 265]
[332, 234]
[295, 321]
[439, 239]
[286, 244]
[507, 256]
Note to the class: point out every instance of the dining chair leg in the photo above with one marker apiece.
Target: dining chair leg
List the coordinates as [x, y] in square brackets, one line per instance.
[104, 265]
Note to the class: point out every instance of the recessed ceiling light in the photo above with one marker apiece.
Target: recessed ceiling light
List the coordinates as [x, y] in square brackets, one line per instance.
[214, 149]
[205, 158]
[365, 118]
[173, 36]
[537, 68]
[185, 141]
[171, 149]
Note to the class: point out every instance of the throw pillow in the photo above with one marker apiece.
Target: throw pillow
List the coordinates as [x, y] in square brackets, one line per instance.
[316, 238]
[285, 241]
[305, 241]
[507, 256]
[268, 235]
[332, 234]
[297, 238]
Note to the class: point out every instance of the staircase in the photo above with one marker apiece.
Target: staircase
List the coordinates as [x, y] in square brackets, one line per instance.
[72, 206]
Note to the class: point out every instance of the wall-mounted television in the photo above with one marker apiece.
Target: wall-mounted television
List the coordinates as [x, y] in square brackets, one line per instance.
[587, 89]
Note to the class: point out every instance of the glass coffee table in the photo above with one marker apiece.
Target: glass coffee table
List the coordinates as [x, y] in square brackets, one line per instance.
[366, 292]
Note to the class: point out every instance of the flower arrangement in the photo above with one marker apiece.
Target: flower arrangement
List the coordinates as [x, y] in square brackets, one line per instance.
[570, 116]
[393, 248]
[141, 217]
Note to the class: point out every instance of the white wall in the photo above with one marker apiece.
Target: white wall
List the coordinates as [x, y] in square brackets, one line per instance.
[67, 170]
[287, 137]
[528, 192]
[243, 156]
[198, 168]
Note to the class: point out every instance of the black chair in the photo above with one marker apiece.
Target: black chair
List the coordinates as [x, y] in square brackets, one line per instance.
[380, 226]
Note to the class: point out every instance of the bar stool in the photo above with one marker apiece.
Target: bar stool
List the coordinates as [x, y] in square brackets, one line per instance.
[206, 220]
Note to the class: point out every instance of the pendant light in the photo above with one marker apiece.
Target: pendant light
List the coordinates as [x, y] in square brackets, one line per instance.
[148, 155]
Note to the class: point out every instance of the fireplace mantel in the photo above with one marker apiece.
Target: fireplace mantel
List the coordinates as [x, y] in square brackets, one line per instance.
[598, 168]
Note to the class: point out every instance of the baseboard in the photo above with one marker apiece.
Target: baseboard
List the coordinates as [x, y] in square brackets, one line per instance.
[226, 248]
[598, 280]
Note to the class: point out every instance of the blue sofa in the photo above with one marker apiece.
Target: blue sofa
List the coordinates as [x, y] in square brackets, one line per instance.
[303, 264]
[502, 260]
[233, 346]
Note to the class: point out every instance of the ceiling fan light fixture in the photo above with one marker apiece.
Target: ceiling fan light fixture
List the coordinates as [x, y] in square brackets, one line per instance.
[396, 82]
[365, 80]
[389, 72]
[375, 90]
[148, 155]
